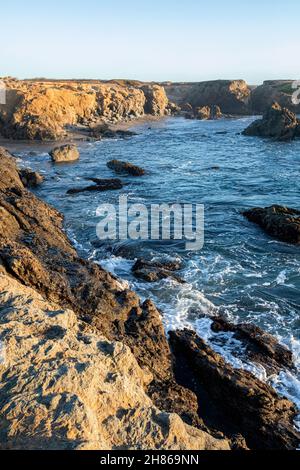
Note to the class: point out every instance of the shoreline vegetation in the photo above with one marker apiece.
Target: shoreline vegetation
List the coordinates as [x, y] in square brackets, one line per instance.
[87, 365]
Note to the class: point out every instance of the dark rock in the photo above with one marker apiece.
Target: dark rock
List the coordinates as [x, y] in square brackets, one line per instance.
[101, 185]
[151, 271]
[261, 347]
[271, 91]
[125, 167]
[280, 222]
[104, 131]
[30, 178]
[263, 418]
[277, 122]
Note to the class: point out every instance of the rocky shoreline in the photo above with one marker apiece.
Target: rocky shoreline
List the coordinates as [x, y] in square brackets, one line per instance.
[91, 364]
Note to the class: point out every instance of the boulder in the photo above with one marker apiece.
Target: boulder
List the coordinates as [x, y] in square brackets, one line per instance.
[263, 418]
[30, 178]
[277, 122]
[151, 271]
[102, 130]
[280, 222]
[65, 153]
[125, 167]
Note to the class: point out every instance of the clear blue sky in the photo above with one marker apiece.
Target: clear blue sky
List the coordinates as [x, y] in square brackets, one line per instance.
[151, 40]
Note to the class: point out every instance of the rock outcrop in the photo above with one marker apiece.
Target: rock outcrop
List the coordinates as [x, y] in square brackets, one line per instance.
[65, 153]
[156, 100]
[280, 91]
[232, 96]
[125, 168]
[264, 418]
[277, 122]
[279, 222]
[46, 110]
[64, 386]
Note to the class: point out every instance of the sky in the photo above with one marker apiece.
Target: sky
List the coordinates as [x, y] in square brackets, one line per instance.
[190, 40]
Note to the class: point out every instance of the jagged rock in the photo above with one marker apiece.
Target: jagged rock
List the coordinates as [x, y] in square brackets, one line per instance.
[35, 250]
[125, 167]
[263, 418]
[261, 347]
[44, 109]
[156, 100]
[280, 222]
[101, 185]
[30, 178]
[64, 386]
[65, 153]
[277, 122]
[152, 271]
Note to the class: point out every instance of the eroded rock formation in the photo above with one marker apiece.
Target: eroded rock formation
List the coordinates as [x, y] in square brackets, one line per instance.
[277, 122]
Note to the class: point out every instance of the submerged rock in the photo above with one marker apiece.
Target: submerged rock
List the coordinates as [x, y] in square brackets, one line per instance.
[263, 418]
[65, 153]
[125, 167]
[30, 178]
[280, 222]
[151, 271]
[277, 122]
[101, 185]
[261, 347]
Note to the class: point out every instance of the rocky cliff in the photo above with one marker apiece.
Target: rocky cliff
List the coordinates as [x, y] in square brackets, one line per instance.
[86, 364]
[232, 96]
[44, 110]
[271, 91]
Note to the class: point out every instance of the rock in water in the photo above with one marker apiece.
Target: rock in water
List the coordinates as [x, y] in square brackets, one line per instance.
[277, 122]
[101, 185]
[151, 271]
[260, 346]
[208, 113]
[264, 418]
[65, 153]
[125, 167]
[280, 222]
[30, 178]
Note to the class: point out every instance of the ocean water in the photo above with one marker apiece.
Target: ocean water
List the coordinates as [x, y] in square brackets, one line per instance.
[240, 272]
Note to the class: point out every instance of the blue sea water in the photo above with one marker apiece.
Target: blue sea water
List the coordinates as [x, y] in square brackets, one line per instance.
[240, 272]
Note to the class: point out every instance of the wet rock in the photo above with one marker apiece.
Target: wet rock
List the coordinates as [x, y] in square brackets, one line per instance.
[125, 167]
[263, 418]
[151, 271]
[30, 178]
[280, 222]
[101, 185]
[277, 122]
[261, 347]
[65, 153]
